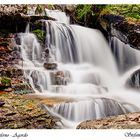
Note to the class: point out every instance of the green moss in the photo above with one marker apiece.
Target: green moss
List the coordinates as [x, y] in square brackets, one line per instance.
[90, 13]
[39, 33]
[126, 10]
[83, 10]
[5, 81]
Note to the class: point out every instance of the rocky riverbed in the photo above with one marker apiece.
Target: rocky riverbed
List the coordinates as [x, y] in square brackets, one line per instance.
[20, 111]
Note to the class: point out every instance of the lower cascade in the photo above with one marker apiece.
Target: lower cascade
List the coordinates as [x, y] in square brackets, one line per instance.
[78, 64]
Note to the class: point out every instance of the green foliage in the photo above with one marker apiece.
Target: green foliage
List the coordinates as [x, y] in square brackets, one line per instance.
[39, 9]
[85, 13]
[5, 81]
[39, 33]
[126, 10]
[83, 10]
[88, 13]
[50, 6]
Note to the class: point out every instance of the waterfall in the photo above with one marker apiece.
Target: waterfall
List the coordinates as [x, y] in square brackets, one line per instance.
[58, 16]
[90, 109]
[78, 64]
[126, 56]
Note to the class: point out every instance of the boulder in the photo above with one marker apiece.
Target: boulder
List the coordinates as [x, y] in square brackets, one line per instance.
[70, 8]
[50, 66]
[134, 80]
[60, 77]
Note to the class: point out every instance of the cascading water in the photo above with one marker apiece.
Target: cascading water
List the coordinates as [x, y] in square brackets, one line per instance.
[58, 15]
[85, 71]
[126, 56]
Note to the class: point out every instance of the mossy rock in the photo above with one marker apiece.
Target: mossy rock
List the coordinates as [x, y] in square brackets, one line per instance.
[40, 34]
[4, 81]
[39, 9]
[22, 88]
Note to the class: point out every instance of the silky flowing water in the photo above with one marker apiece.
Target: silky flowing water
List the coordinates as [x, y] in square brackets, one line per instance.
[94, 72]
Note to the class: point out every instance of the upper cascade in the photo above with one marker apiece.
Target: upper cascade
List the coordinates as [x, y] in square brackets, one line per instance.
[58, 15]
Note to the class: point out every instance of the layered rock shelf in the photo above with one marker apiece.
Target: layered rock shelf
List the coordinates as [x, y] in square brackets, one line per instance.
[18, 111]
[14, 18]
[127, 121]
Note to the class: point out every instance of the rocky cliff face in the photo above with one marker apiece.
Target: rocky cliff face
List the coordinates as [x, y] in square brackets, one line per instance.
[126, 31]
[14, 18]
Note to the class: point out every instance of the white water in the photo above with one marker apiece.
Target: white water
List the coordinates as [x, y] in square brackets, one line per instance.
[58, 16]
[93, 81]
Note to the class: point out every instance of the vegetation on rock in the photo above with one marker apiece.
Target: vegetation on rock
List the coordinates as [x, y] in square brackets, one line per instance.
[39, 9]
[85, 13]
[40, 34]
[4, 81]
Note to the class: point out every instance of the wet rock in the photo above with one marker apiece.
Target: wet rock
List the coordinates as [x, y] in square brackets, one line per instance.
[134, 80]
[50, 66]
[11, 72]
[125, 31]
[60, 77]
[22, 88]
[127, 121]
[2, 103]
[17, 39]
[22, 112]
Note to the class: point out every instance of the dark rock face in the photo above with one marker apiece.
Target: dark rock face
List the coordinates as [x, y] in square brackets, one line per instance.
[130, 31]
[14, 18]
[134, 80]
[50, 66]
[9, 16]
